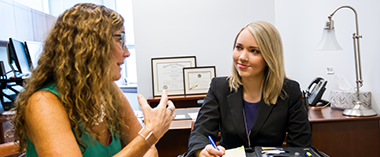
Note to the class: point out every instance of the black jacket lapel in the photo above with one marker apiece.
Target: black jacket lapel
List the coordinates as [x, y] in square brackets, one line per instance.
[262, 114]
[235, 103]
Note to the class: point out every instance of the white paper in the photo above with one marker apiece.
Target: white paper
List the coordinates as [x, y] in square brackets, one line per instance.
[170, 75]
[343, 84]
[199, 80]
[193, 115]
[181, 116]
[235, 152]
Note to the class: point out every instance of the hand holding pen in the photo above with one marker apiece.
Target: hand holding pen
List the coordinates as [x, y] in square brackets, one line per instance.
[211, 150]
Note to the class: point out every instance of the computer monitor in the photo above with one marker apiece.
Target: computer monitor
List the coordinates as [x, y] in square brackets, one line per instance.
[1, 108]
[4, 59]
[19, 58]
[34, 49]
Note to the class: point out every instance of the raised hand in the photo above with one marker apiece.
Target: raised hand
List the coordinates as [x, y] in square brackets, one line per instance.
[158, 119]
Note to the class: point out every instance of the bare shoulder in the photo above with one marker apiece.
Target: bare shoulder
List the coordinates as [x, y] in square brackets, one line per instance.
[44, 106]
[46, 118]
[43, 101]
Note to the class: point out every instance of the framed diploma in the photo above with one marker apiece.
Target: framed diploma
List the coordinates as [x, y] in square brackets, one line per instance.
[197, 80]
[167, 74]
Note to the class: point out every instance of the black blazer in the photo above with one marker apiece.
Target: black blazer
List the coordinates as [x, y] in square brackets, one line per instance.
[222, 111]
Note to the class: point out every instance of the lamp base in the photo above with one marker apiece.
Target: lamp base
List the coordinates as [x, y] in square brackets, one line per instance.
[359, 110]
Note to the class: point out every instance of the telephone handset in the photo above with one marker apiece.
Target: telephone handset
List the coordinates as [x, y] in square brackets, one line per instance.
[315, 91]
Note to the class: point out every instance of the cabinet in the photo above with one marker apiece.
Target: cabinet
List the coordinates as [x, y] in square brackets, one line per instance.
[339, 135]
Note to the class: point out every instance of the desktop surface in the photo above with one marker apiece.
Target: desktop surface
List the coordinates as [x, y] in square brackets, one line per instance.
[329, 114]
[333, 134]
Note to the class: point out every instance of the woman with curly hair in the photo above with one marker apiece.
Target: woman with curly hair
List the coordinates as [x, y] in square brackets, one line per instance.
[71, 105]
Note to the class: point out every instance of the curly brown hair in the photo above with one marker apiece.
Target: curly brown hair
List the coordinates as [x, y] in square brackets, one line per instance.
[77, 58]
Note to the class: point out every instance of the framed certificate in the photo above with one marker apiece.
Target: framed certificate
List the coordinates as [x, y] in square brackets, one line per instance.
[167, 74]
[197, 80]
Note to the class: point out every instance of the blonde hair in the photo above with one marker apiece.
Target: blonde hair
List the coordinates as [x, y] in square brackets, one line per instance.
[270, 44]
[77, 58]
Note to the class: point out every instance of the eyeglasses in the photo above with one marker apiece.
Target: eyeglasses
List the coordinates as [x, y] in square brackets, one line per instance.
[122, 40]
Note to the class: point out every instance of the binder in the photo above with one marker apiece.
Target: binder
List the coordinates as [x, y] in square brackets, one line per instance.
[288, 152]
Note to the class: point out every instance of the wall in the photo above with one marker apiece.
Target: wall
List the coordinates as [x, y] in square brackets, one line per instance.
[23, 23]
[41, 5]
[205, 29]
[57, 7]
[301, 24]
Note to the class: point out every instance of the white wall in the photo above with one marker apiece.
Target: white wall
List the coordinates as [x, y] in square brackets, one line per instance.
[34, 4]
[57, 7]
[202, 28]
[207, 29]
[23, 23]
[7, 27]
[301, 24]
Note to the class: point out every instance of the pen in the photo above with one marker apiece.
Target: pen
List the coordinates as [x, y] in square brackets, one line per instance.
[212, 142]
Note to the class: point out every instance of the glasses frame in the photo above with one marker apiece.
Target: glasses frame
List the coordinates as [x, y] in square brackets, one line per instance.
[123, 42]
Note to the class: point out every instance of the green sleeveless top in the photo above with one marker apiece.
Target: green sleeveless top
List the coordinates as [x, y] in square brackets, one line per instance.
[94, 148]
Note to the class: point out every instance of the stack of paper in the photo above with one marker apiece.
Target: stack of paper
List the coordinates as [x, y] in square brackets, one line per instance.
[235, 152]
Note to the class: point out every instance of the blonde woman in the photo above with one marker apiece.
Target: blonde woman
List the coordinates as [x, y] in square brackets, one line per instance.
[256, 105]
[71, 105]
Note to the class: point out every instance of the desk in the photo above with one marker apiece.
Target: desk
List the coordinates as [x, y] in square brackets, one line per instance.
[333, 134]
[175, 141]
[338, 135]
[5, 126]
[4, 85]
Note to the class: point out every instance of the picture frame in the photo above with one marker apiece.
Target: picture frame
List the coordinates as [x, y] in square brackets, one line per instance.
[197, 79]
[167, 74]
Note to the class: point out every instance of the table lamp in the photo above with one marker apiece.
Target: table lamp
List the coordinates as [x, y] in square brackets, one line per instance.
[329, 42]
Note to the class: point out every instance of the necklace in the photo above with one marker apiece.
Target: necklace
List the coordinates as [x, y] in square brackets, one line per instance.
[101, 116]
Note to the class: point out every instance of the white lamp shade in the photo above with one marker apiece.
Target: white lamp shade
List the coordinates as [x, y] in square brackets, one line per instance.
[328, 42]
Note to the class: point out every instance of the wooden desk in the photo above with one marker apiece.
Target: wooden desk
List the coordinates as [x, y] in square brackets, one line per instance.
[175, 141]
[180, 101]
[5, 125]
[339, 135]
[333, 134]
[4, 85]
